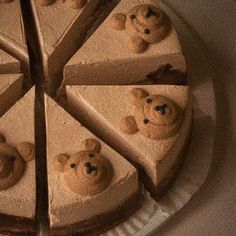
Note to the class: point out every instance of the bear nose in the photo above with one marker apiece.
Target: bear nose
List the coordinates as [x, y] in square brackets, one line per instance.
[161, 108]
[150, 12]
[89, 168]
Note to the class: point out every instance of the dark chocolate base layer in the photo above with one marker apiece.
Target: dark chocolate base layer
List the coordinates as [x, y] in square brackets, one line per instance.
[104, 222]
[13, 225]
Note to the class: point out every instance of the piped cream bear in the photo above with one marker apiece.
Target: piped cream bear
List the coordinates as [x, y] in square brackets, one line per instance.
[13, 162]
[86, 172]
[145, 24]
[155, 116]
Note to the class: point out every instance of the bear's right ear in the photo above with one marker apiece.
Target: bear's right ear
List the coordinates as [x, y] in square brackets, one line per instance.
[60, 162]
[136, 95]
[128, 125]
[117, 21]
[2, 138]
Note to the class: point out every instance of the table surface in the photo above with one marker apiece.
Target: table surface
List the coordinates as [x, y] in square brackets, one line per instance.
[212, 211]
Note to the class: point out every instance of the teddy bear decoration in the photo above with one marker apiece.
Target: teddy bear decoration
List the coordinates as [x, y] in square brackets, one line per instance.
[86, 172]
[145, 24]
[155, 116]
[74, 4]
[13, 161]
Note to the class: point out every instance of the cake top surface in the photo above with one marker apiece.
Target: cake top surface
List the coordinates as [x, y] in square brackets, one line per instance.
[70, 141]
[108, 44]
[54, 21]
[11, 18]
[7, 80]
[20, 199]
[112, 104]
[5, 58]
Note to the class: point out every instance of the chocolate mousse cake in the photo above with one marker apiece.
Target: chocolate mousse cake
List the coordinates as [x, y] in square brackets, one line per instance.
[91, 187]
[148, 124]
[12, 34]
[10, 91]
[135, 40]
[8, 64]
[17, 168]
[61, 28]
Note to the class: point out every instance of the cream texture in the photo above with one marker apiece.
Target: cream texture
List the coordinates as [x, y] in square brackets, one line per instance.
[17, 125]
[64, 135]
[105, 58]
[12, 35]
[8, 64]
[60, 31]
[10, 91]
[102, 107]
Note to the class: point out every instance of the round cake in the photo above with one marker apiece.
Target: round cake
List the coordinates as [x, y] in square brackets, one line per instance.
[94, 107]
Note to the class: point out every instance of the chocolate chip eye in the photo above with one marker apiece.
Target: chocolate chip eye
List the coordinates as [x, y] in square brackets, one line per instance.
[12, 158]
[145, 121]
[91, 155]
[132, 17]
[147, 31]
[73, 165]
[149, 100]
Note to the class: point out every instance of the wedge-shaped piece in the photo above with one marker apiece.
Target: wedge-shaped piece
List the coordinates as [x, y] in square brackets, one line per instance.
[17, 168]
[61, 29]
[12, 35]
[8, 64]
[149, 124]
[10, 91]
[91, 187]
[120, 52]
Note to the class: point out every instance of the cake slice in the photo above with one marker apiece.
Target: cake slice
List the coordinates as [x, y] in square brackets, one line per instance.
[148, 124]
[61, 27]
[8, 64]
[17, 169]
[12, 35]
[136, 40]
[10, 91]
[91, 187]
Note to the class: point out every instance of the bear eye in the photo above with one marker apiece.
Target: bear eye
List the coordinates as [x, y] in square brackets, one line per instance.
[12, 158]
[149, 100]
[147, 31]
[145, 121]
[132, 17]
[73, 165]
[91, 155]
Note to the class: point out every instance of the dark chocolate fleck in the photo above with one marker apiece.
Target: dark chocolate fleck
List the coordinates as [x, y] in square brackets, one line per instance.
[73, 165]
[149, 100]
[132, 17]
[147, 31]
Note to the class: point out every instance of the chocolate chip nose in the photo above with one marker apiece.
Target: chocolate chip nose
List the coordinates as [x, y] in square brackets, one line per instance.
[89, 168]
[161, 109]
[150, 13]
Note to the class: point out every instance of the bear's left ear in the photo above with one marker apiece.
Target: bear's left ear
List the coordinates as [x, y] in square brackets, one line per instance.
[117, 21]
[26, 151]
[91, 145]
[2, 138]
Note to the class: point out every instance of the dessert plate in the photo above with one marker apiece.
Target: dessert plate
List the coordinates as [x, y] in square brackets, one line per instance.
[197, 163]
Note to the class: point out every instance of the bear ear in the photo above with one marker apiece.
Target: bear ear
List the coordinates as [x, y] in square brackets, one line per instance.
[2, 138]
[128, 125]
[117, 21]
[136, 95]
[26, 151]
[91, 145]
[60, 162]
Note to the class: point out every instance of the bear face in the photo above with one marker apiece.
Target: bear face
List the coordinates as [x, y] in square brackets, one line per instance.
[155, 116]
[85, 172]
[144, 23]
[13, 162]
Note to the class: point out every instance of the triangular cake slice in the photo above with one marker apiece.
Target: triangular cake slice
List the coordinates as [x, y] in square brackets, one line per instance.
[8, 64]
[118, 54]
[12, 35]
[61, 27]
[17, 168]
[148, 124]
[10, 91]
[91, 187]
